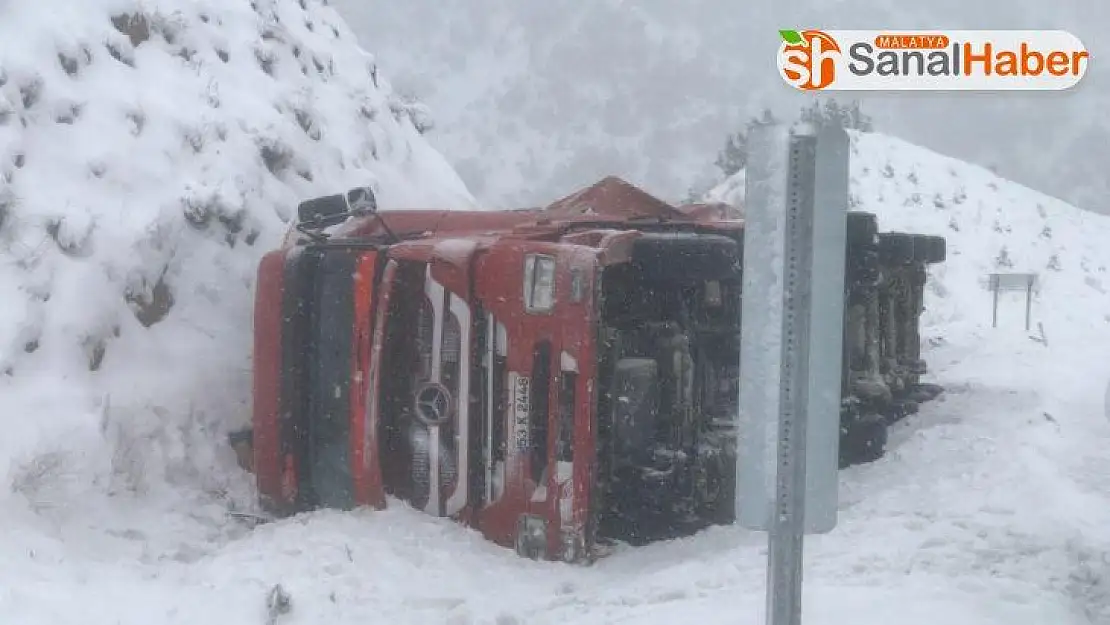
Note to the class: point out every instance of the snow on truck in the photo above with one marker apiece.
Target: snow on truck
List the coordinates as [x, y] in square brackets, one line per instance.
[557, 378]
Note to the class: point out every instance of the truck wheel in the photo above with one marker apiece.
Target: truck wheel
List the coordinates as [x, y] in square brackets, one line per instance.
[862, 228]
[863, 441]
[938, 249]
[896, 248]
[922, 248]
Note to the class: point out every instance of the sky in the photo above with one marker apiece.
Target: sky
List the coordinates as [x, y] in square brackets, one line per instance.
[534, 99]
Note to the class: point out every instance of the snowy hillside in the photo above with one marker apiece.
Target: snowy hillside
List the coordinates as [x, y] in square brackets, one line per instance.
[992, 225]
[150, 152]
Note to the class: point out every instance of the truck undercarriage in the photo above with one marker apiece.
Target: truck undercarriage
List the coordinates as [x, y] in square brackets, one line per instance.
[669, 385]
[557, 379]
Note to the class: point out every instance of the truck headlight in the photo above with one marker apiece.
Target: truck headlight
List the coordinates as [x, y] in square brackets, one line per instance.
[539, 283]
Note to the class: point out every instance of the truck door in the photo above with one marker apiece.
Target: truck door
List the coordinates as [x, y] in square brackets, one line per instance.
[537, 428]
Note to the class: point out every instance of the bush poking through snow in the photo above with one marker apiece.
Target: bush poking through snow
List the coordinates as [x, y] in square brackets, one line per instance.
[278, 604]
[73, 241]
[7, 203]
[276, 156]
[117, 52]
[30, 92]
[266, 61]
[136, 26]
[69, 64]
[38, 479]
[151, 303]
[137, 120]
[7, 111]
[96, 349]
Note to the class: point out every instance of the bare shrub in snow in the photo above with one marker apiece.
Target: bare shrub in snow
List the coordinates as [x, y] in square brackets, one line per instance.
[276, 156]
[135, 25]
[7, 111]
[30, 92]
[68, 114]
[128, 464]
[39, 478]
[69, 64]
[1003, 259]
[194, 139]
[407, 107]
[266, 60]
[73, 239]
[150, 302]
[119, 53]
[307, 123]
[95, 350]
[7, 203]
[137, 119]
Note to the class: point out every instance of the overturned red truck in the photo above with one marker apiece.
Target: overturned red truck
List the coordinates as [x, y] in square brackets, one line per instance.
[557, 378]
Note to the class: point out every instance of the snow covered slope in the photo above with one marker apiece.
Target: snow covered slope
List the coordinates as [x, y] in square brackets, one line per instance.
[991, 225]
[150, 152]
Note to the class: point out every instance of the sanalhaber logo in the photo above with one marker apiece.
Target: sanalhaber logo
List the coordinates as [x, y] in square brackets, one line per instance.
[956, 60]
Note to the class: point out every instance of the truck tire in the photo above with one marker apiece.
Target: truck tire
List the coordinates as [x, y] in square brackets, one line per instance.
[896, 248]
[922, 248]
[938, 249]
[863, 441]
[862, 228]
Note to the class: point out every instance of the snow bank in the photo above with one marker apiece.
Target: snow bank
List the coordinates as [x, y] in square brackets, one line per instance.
[150, 152]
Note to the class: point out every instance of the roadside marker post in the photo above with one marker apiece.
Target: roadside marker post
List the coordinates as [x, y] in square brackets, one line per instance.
[1000, 282]
[795, 235]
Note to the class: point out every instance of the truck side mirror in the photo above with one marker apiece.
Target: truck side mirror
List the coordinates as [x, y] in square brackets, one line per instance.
[330, 210]
[324, 211]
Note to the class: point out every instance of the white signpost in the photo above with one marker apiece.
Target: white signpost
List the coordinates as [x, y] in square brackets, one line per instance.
[796, 203]
[1012, 282]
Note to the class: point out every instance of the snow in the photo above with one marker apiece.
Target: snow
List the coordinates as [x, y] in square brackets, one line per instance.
[990, 508]
[150, 153]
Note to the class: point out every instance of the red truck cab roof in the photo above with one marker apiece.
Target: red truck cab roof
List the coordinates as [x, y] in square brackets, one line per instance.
[610, 204]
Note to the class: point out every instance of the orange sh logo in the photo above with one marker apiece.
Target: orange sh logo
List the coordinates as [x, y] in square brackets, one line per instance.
[807, 59]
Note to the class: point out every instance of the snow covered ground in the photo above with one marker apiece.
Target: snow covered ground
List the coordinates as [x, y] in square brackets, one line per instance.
[990, 508]
[150, 152]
